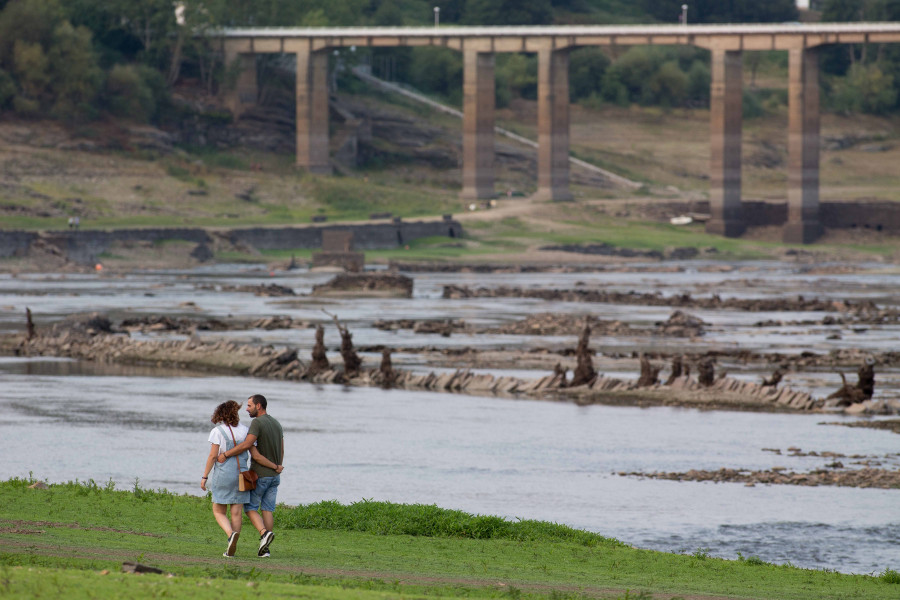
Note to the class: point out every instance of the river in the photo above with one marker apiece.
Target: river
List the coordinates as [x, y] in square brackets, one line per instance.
[515, 458]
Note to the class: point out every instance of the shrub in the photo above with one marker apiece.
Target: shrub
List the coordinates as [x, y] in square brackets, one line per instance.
[386, 518]
[668, 85]
[866, 88]
[890, 576]
[7, 89]
[698, 80]
[587, 66]
[129, 94]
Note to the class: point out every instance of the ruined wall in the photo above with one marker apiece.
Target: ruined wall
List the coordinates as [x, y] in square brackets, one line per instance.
[372, 236]
[86, 245]
[877, 216]
[15, 243]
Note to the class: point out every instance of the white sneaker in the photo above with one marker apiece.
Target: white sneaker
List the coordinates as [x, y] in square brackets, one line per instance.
[264, 540]
[232, 543]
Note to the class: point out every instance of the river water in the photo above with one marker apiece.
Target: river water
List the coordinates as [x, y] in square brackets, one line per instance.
[510, 457]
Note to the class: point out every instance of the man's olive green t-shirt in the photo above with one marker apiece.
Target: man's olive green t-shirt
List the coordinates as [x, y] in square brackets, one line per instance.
[269, 442]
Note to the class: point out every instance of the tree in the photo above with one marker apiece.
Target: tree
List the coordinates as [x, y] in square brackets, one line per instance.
[508, 12]
[28, 21]
[587, 66]
[74, 72]
[717, 11]
[865, 89]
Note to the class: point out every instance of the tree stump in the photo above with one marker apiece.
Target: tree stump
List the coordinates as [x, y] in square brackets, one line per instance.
[649, 373]
[677, 370]
[319, 362]
[584, 370]
[388, 374]
[706, 372]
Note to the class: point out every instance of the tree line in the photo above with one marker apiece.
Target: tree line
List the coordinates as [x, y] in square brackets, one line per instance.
[77, 60]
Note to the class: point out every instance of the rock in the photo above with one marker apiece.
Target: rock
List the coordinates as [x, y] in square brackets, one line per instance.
[367, 285]
[202, 253]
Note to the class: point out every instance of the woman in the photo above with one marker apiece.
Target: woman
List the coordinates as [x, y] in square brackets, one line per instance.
[222, 479]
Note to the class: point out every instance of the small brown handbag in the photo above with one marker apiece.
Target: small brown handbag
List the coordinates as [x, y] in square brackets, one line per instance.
[246, 479]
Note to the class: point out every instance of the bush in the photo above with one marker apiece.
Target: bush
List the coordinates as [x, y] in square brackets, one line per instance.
[7, 89]
[865, 89]
[752, 106]
[587, 66]
[698, 81]
[436, 70]
[890, 576]
[129, 94]
[386, 518]
[668, 86]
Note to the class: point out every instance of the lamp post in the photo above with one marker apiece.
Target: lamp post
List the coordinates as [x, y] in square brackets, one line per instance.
[437, 15]
[684, 14]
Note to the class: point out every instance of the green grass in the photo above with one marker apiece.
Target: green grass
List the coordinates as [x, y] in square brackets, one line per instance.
[71, 539]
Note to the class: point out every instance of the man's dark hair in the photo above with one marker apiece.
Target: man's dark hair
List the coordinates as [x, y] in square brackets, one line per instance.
[259, 400]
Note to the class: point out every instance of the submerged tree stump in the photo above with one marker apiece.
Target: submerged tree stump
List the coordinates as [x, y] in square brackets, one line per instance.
[649, 372]
[29, 324]
[386, 370]
[866, 378]
[863, 390]
[559, 376]
[584, 370]
[677, 370]
[319, 362]
[352, 361]
[706, 372]
[774, 380]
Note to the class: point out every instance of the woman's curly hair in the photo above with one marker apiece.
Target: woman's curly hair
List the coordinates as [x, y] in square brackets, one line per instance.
[228, 413]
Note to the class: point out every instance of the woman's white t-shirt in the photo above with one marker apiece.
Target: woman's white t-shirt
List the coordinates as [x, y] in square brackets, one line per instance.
[216, 437]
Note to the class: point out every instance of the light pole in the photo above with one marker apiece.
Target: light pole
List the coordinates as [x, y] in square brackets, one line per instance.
[684, 14]
[437, 15]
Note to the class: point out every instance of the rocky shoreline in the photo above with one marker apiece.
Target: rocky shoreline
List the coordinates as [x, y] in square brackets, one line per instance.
[860, 478]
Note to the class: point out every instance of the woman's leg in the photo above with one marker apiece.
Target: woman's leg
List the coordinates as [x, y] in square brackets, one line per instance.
[237, 517]
[222, 518]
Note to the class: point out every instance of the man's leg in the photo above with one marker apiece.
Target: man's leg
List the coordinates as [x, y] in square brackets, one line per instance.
[268, 519]
[256, 520]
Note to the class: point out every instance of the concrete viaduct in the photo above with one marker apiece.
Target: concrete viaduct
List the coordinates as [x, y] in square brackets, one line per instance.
[478, 46]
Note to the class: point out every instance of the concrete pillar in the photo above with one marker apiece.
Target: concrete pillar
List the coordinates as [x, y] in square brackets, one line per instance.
[803, 225]
[245, 91]
[725, 124]
[553, 125]
[312, 111]
[478, 124]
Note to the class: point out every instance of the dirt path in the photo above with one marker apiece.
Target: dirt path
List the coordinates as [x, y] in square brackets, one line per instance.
[30, 546]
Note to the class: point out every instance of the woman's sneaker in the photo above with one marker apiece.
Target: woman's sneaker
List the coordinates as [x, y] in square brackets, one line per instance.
[232, 544]
[264, 540]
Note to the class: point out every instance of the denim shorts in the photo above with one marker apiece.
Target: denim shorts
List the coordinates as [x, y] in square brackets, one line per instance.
[263, 497]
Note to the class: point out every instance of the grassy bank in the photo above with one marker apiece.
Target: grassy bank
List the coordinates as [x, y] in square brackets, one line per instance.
[71, 540]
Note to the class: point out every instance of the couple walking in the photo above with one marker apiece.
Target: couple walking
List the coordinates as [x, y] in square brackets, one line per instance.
[231, 445]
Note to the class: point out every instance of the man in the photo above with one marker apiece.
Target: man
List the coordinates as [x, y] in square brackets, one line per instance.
[266, 433]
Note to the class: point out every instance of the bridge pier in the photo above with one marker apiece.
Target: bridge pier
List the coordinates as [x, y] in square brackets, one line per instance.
[725, 129]
[245, 92]
[803, 225]
[553, 125]
[312, 110]
[478, 122]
